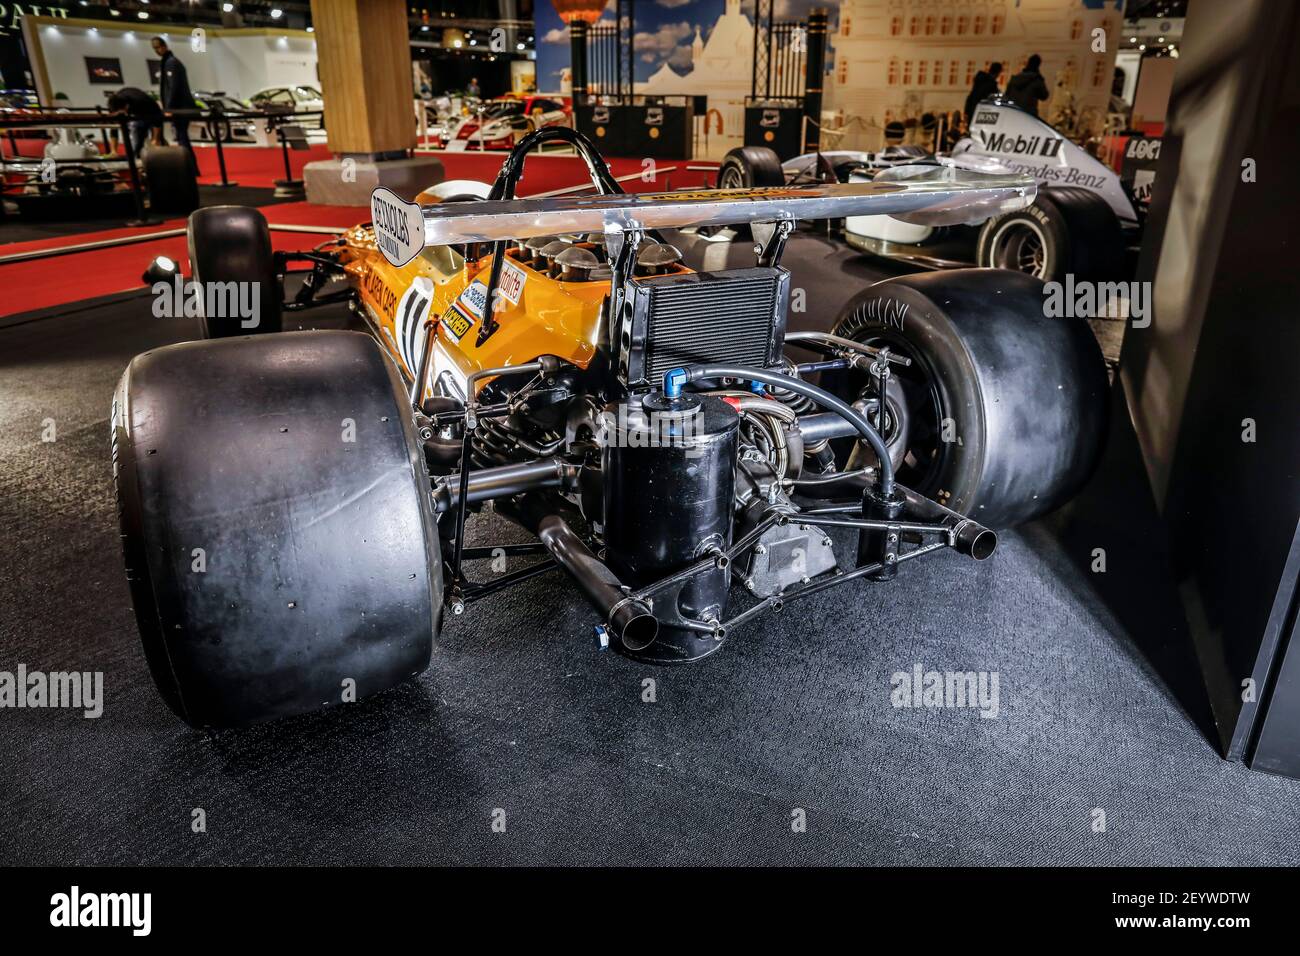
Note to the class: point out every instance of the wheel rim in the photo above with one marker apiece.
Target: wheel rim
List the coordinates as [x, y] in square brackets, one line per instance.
[922, 414]
[1020, 246]
[731, 178]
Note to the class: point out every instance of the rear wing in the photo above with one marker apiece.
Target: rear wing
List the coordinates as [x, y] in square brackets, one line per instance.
[933, 195]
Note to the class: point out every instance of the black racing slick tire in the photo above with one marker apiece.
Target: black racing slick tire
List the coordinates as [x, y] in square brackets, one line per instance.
[1067, 230]
[749, 167]
[277, 526]
[1097, 244]
[1006, 408]
[231, 260]
[171, 180]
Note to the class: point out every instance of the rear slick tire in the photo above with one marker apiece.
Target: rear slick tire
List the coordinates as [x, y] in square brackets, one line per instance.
[276, 523]
[750, 167]
[1006, 407]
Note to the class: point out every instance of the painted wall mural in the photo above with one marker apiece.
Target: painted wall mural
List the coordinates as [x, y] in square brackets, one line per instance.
[888, 59]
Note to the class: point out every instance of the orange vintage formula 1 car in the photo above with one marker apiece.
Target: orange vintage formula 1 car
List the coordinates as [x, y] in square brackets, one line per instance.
[294, 505]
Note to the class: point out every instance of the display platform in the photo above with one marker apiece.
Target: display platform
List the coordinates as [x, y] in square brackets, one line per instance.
[520, 712]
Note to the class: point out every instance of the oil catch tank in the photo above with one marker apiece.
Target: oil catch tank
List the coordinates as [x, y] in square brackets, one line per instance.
[669, 483]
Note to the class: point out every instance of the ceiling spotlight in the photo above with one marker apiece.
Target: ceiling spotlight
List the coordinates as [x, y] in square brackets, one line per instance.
[519, 46]
[1142, 47]
[161, 269]
[116, 13]
[311, 29]
[473, 42]
[143, 15]
[276, 13]
[425, 28]
[456, 43]
[227, 8]
[1132, 39]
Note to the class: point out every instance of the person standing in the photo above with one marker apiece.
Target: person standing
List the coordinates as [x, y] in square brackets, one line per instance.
[143, 115]
[985, 85]
[174, 92]
[1028, 87]
[473, 89]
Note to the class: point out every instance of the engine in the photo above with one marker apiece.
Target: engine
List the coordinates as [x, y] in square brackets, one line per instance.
[688, 460]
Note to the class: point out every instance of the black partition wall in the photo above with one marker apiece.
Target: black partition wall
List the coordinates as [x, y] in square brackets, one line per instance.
[1205, 451]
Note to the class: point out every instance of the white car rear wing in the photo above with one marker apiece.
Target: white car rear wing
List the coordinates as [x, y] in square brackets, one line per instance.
[934, 195]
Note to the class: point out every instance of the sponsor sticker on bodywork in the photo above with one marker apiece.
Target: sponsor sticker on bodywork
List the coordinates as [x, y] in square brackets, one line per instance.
[456, 323]
[511, 284]
[474, 299]
[398, 224]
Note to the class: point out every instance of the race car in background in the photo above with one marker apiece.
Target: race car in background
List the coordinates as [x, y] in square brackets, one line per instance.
[292, 99]
[756, 166]
[1084, 220]
[231, 129]
[76, 176]
[16, 104]
[503, 122]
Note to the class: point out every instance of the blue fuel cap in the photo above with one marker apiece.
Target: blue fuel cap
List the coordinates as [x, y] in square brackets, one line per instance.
[674, 379]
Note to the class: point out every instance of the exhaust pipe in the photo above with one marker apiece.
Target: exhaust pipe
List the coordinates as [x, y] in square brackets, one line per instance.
[629, 620]
[969, 536]
[488, 483]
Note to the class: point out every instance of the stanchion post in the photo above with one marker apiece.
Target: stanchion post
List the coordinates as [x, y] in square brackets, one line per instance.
[215, 117]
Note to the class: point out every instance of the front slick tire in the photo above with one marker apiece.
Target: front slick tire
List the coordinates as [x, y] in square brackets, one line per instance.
[232, 261]
[1006, 407]
[276, 524]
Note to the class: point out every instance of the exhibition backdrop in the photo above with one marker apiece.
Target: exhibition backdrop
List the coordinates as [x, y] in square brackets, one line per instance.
[889, 59]
[79, 61]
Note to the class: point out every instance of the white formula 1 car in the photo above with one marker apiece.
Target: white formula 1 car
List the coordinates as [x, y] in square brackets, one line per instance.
[1083, 221]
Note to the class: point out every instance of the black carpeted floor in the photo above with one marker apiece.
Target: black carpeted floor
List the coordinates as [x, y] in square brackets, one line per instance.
[520, 714]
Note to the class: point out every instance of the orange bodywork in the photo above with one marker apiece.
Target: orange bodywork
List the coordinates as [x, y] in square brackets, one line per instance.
[536, 314]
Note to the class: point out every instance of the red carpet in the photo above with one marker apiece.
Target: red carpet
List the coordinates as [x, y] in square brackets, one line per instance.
[260, 166]
[43, 283]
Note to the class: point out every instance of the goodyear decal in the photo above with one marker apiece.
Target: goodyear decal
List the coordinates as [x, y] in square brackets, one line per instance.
[456, 323]
[511, 284]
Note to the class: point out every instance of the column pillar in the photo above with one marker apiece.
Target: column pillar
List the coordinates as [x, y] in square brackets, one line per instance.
[814, 76]
[364, 52]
